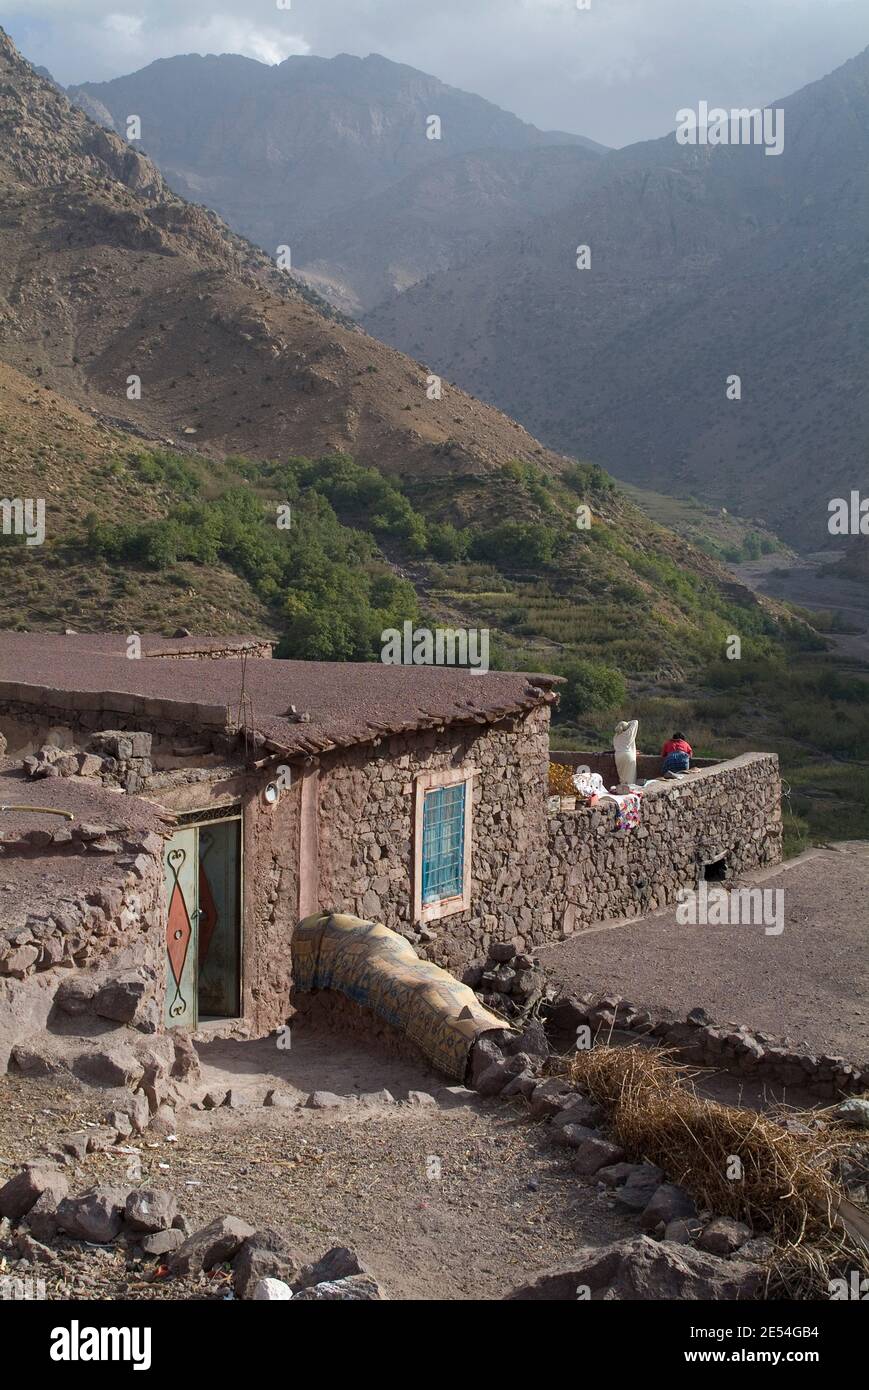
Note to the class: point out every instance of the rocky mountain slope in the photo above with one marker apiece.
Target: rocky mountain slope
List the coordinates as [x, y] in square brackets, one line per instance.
[332, 157]
[106, 275]
[705, 262]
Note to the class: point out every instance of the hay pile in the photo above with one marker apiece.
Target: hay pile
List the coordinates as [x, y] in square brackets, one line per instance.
[786, 1188]
[561, 780]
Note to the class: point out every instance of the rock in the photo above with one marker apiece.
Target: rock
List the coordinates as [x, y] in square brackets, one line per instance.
[420, 1098]
[24, 1190]
[369, 1099]
[639, 1188]
[337, 1263]
[579, 1112]
[450, 1097]
[264, 1255]
[493, 1080]
[42, 1217]
[272, 1291]
[213, 1100]
[642, 1269]
[618, 1173]
[325, 1100]
[74, 996]
[100, 1138]
[162, 1242]
[354, 1287]
[122, 998]
[33, 1252]
[521, 1085]
[120, 1122]
[150, 1209]
[483, 1054]
[551, 1096]
[281, 1100]
[220, 1240]
[668, 1203]
[76, 1145]
[593, 1151]
[683, 1230]
[96, 1216]
[853, 1112]
[723, 1236]
[532, 1041]
[115, 1065]
[501, 951]
[238, 1100]
[139, 1112]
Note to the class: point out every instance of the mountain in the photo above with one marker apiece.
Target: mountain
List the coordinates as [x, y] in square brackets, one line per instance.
[105, 274]
[312, 151]
[705, 262]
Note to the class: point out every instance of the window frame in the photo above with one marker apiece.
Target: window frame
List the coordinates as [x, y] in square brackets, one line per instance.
[459, 902]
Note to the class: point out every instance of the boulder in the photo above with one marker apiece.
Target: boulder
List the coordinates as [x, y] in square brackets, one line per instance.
[160, 1243]
[337, 1263]
[355, 1287]
[551, 1096]
[220, 1240]
[264, 1255]
[640, 1187]
[23, 1191]
[668, 1203]
[483, 1054]
[123, 998]
[42, 1216]
[115, 1065]
[272, 1291]
[641, 1270]
[724, 1236]
[593, 1152]
[325, 1100]
[451, 1097]
[579, 1112]
[96, 1216]
[150, 1209]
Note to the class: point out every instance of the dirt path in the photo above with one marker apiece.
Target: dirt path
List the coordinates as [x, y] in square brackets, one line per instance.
[810, 984]
[498, 1203]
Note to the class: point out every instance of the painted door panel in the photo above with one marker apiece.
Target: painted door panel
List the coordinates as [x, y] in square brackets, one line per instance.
[182, 894]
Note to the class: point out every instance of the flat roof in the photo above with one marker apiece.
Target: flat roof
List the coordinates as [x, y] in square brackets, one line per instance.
[345, 702]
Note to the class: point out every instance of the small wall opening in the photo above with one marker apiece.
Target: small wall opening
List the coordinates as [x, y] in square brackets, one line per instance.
[716, 870]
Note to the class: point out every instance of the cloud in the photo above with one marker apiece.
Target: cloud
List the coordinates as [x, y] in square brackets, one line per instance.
[617, 72]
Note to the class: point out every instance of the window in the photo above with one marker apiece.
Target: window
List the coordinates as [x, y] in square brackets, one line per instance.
[442, 868]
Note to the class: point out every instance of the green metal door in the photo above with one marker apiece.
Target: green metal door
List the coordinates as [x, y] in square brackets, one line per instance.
[219, 921]
[182, 894]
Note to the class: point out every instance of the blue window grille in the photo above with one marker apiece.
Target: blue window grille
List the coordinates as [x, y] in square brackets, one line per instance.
[443, 843]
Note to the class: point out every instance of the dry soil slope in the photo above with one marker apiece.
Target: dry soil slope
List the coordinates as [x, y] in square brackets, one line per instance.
[105, 274]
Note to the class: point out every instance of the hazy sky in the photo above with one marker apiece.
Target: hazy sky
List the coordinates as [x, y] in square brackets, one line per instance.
[617, 71]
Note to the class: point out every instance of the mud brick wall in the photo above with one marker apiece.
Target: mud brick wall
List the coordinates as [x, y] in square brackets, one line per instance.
[596, 873]
[366, 813]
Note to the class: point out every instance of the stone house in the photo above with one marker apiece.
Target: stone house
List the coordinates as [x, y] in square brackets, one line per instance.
[166, 818]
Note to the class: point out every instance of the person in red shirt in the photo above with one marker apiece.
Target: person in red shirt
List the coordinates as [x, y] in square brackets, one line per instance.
[677, 753]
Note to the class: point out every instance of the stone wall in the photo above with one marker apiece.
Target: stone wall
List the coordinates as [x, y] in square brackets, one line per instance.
[731, 810]
[366, 810]
[65, 931]
[535, 878]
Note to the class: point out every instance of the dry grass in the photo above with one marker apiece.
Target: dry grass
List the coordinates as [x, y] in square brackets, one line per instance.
[786, 1189]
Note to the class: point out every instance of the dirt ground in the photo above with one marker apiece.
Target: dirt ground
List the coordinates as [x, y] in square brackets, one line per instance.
[810, 984]
[506, 1203]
